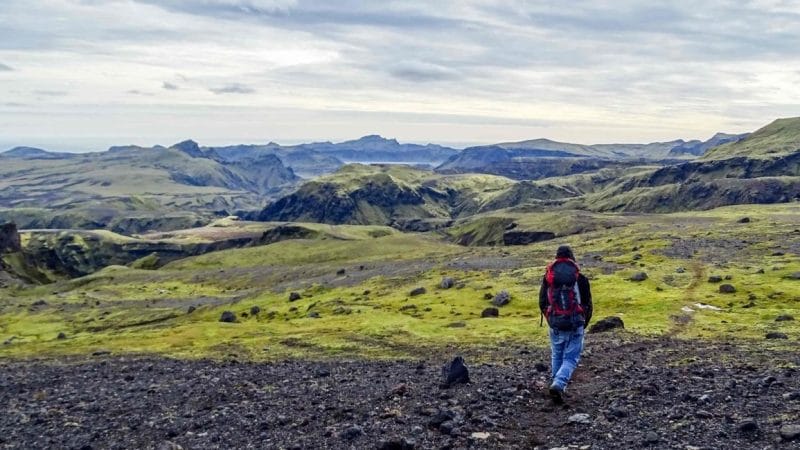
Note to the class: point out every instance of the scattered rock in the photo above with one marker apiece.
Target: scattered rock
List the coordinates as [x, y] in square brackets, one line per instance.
[541, 367]
[607, 324]
[455, 372]
[191, 309]
[744, 220]
[502, 298]
[255, 310]
[61, 336]
[488, 296]
[784, 318]
[442, 416]
[169, 445]
[793, 276]
[726, 289]
[651, 437]
[417, 291]
[680, 270]
[637, 256]
[490, 312]
[638, 276]
[351, 432]
[341, 272]
[399, 390]
[294, 296]
[228, 317]
[748, 426]
[580, 418]
[313, 315]
[480, 435]
[715, 279]
[447, 283]
[790, 432]
[397, 443]
[776, 335]
[458, 324]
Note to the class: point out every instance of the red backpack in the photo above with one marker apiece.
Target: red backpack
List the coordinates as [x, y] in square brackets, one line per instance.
[564, 310]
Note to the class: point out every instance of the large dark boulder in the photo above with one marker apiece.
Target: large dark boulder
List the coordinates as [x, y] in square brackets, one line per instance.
[502, 298]
[490, 312]
[454, 372]
[227, 316]
[607, 324]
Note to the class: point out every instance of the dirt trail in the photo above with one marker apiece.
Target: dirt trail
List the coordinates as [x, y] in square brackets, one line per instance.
[681, 321]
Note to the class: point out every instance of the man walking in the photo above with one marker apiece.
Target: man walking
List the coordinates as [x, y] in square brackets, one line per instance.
[565, 299]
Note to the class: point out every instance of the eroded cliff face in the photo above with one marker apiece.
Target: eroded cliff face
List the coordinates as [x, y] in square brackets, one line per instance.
[9, 238]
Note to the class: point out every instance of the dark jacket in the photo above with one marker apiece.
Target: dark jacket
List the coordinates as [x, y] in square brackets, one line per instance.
[583, 288]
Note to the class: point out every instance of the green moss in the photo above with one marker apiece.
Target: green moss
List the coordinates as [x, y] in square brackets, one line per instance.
[370, 313]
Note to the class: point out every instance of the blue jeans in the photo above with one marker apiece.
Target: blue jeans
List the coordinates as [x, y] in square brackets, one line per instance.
[565, 347]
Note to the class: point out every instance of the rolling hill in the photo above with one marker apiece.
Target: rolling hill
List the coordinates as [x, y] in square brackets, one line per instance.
[130, 189]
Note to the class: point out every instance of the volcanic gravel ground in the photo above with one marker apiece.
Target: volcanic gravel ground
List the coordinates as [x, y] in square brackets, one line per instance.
[627, 394]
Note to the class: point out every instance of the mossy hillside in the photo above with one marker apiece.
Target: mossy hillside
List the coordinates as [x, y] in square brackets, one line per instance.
[779, 137]
[146, 311]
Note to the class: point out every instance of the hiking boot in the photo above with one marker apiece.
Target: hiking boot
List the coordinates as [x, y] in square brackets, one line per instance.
[556, 394]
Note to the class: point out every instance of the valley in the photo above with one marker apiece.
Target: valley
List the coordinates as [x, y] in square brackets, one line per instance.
[310, 278]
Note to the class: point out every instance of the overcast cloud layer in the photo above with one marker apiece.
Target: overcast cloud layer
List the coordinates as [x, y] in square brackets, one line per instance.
[86, 74]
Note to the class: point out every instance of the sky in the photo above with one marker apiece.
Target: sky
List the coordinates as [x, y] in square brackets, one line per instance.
[82, 75]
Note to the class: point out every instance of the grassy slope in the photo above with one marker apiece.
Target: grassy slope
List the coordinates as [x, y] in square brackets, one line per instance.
[779, 137]
[127, 310]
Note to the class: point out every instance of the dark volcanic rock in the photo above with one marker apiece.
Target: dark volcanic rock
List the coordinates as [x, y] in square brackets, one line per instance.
[61, 336]
[638, 276]
[526, 237]
[793, 276]
[784, 318]
[447, 283]
[351, 432]
[227, 316]
[748, 426]
[191, 309]
[294, 296]
[727, 289]
[502, 298]
[254, 310]
[607, 324]
[9, 238]
[790, 432]
[715, 279]
[455, 372]
[417, 291]
[201, 404]
[776, 335]
[397, 443]
[490, 312]
[744, 220]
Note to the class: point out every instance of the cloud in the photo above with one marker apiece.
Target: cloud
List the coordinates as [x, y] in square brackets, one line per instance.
[421, 72]
[664, 70]
[5, 68]
[50, 93]
[234, 88]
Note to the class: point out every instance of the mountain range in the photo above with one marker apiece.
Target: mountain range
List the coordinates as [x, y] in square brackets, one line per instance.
[131, 189]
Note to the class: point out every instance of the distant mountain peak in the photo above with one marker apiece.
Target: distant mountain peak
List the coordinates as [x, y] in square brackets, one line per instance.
[189, 147]
[375, 138]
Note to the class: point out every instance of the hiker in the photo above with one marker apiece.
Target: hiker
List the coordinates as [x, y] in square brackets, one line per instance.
[566, 301]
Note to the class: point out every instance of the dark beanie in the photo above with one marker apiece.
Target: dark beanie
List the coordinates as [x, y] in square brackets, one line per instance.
[565, 252]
